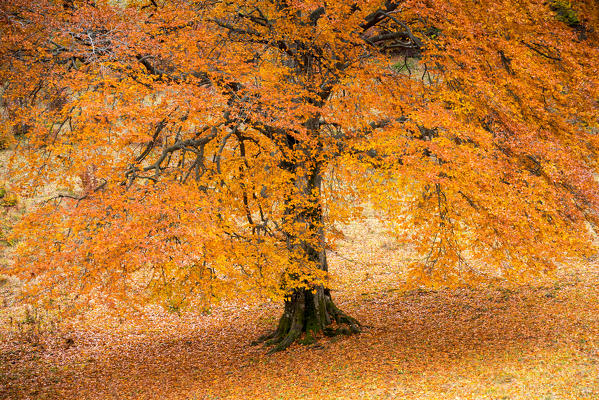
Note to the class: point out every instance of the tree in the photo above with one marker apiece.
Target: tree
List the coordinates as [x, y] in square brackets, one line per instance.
[205, 148]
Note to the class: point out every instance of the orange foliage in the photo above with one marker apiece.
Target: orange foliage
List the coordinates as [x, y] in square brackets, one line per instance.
[203, 150]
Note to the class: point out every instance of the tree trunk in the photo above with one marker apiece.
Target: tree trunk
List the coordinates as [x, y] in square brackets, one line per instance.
[308, 313]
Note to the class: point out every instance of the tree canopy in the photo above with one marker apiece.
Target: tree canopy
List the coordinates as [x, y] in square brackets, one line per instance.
[202, 149]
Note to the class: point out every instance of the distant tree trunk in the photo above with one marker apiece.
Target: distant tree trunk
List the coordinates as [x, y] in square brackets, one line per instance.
[309, 311]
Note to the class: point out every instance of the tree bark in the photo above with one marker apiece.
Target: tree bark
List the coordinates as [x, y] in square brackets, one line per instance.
[308, 312]
[307, 315]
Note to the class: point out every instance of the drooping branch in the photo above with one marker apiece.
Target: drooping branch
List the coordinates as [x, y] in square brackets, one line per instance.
[194, 145]
[174, 76]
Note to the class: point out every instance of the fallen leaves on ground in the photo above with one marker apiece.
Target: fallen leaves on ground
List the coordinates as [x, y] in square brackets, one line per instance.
[539, 341]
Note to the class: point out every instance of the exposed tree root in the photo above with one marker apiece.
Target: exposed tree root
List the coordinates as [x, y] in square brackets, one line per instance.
[309, 313]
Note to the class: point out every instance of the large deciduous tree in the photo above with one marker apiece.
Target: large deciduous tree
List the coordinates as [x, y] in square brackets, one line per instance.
[200, 148]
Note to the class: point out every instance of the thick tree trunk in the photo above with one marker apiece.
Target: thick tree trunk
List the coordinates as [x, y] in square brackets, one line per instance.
[308, 313]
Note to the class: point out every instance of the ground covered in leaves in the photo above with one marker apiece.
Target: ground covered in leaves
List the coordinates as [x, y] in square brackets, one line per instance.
[539, 341]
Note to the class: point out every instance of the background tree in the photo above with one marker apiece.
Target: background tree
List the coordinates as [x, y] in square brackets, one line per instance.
[204, 149]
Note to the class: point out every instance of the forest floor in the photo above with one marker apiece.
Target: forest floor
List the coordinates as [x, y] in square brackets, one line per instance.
[538, 341]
